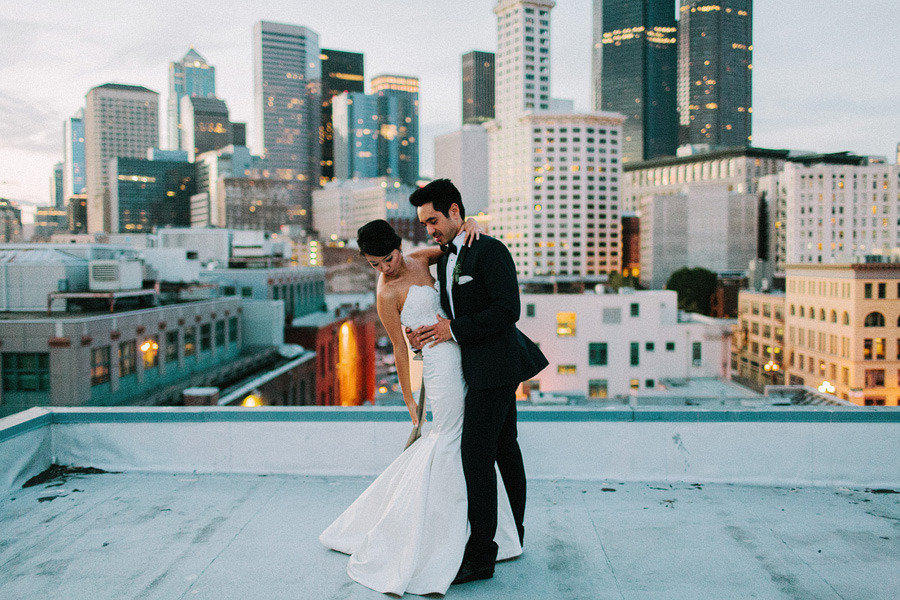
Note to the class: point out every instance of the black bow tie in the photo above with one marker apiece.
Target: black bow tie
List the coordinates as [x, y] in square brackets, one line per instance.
[449, 248]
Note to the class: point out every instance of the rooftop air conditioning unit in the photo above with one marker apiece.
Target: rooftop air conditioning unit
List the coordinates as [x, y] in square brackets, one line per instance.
[116, 275]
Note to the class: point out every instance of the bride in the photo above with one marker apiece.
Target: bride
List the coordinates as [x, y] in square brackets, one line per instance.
[407, 532]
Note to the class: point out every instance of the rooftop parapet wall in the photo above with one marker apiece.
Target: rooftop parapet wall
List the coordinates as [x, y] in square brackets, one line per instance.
[784, 446]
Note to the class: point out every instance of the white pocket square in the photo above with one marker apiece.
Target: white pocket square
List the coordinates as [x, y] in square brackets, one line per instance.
[464, 279]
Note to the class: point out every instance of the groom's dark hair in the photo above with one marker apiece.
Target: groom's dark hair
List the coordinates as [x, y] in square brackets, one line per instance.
[441, 193]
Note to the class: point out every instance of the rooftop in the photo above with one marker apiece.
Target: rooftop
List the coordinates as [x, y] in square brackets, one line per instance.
[228, 503]
[806, 159]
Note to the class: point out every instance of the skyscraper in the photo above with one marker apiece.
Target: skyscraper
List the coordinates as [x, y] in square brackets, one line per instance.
[634, 64]
[477, 87]
[398, 140]
[57, 196]
[715, 47]
[356, 128]
[554, 177]
[145, 194]
[204, 125]
[341, 72]
[73, 155]
[119, 121]
[287, 99]
[190, 76]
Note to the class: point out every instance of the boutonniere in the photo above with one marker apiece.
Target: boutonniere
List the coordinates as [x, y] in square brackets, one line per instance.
[456, 268]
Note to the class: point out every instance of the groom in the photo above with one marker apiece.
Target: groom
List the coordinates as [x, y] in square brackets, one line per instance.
[480, 293]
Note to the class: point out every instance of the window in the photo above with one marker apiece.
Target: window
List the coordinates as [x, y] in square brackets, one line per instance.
[233, 329]
[529, 310]
[635, 354]
[597, 354]
[205, 337]
[598, 388]
[649, 346]
[874, 378]
[697, 353]
[882, 290]
[126, 358]
[867, 290]
[228, 290]
[635, 309]
[190, 341]
[612, 316]
[26, 371]
[99, 365]
[565, 324]
[873, 348]
[566, 369]
[649, 383]
[874, 319]
[220, 333]
[149, 352]
[171, 346]
[874, 400]
[247, 292]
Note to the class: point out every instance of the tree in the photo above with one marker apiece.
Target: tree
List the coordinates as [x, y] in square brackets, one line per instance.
[695, 287]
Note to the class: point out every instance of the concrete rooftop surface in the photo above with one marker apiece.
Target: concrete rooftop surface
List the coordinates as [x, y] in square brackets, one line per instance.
[228, 503]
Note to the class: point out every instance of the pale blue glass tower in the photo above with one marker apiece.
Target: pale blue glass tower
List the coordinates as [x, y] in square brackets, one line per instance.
[190, 76]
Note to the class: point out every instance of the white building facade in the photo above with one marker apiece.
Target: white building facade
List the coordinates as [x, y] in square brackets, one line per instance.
[554, 176]
[462, 157]
[343, 206]
[120, 121]
[828, 213]
[604, 345]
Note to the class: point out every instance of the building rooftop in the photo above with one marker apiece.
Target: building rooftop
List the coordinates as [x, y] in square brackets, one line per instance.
[124, 87]
[228, 503]
[806, 159]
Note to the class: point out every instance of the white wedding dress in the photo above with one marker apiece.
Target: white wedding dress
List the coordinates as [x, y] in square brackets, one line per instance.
[407, 532]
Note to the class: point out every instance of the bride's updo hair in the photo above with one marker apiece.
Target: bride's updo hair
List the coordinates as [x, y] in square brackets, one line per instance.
[377, 238]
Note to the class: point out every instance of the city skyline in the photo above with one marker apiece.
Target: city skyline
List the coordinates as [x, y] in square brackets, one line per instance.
[802, 91]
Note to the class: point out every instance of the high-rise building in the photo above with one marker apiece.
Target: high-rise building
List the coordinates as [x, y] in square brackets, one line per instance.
[208, 207]
[343, 206]
[146, 194]
[190, 76]
[398, 140]
[287, 99]
[49, 220]
[73, 155]
[634, 63]
[57, 192]
[341, 72]
[834, 213]
[462, 157]
[10, 221]
[715, 48]
[119, 121]
[477, 87]
[356, 126]
[76, 213]
[238, 133]
[376, 135]
[554, 177]
[204, 125]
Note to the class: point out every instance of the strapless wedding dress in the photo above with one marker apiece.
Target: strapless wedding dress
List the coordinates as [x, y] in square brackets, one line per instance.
[407, 532]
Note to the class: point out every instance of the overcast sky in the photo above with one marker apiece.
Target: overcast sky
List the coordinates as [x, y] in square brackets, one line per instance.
[826, 73]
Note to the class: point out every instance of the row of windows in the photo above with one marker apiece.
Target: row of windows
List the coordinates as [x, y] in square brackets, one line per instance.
[598, 355]
[149, 349]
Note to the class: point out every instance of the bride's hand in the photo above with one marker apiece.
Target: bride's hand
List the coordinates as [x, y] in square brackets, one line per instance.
[472, 229]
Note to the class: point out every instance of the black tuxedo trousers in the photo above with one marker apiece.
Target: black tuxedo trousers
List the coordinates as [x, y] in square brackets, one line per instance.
[489, 435]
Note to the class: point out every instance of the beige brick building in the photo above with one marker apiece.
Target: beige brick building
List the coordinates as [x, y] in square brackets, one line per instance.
[843, 334]
[757, 353]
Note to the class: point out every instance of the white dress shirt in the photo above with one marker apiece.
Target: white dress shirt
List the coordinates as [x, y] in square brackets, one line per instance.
[458, 241]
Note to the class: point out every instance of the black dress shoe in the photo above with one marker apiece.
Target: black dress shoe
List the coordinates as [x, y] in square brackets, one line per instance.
[471, 572]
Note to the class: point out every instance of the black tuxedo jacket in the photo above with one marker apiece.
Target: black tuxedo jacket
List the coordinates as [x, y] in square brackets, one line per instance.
[485, 309]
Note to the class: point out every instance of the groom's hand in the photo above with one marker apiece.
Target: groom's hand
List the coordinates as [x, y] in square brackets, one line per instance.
[415, 337]
[437, 333]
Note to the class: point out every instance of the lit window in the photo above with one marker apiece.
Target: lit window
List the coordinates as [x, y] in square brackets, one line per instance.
[566, 369]
[565, 324]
